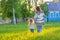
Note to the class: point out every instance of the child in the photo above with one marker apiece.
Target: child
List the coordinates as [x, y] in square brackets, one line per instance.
[31, 24]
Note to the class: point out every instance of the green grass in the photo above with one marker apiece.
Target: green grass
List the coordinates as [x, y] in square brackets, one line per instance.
[51, 24]
[51, 31]
[8, 28]
[20, 27]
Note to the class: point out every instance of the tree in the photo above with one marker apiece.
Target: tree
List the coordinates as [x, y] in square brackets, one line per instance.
[21, 9]
[44, 8]
[7, 8]
[24, 11]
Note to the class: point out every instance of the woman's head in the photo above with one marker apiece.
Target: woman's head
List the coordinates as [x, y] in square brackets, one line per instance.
[38, 8]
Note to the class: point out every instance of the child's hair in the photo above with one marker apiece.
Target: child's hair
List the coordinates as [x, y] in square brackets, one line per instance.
[31, 20]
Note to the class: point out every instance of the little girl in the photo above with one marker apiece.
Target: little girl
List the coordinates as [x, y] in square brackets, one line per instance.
[31, 24]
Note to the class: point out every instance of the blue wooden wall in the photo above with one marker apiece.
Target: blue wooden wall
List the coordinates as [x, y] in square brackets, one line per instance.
[53, 16]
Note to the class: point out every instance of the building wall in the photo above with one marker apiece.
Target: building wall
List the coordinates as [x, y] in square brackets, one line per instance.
[53, 16]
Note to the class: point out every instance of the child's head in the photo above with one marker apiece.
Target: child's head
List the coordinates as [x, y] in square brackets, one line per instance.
[31, 20]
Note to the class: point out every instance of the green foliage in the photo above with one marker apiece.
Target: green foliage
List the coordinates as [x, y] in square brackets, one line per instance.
[17, 8]
[7, 8]
[44, 8]
[25, 11]
[22, 9]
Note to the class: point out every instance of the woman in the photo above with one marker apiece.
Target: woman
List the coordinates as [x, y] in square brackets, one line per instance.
[39, 19]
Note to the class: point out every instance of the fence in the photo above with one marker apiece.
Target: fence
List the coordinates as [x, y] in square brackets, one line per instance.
[53, 16]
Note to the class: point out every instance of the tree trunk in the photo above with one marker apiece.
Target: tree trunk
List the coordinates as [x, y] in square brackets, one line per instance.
[16, 20]
[11, 20]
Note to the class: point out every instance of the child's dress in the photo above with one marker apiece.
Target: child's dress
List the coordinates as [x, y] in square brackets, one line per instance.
[32, 26]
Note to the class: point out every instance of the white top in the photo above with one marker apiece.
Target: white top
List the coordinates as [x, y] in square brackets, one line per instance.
[32, 26]
[39, 18]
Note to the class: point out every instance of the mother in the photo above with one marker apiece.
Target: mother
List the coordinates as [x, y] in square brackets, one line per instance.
[39, 19]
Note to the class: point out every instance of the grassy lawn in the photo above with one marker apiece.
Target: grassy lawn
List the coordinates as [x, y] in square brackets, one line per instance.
[10, 28]
[51, 31]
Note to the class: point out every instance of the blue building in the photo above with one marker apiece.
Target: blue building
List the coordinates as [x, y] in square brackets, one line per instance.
[54, 12]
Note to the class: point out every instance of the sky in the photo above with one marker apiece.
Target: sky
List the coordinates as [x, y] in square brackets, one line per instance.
[0, 0]
[47, 0]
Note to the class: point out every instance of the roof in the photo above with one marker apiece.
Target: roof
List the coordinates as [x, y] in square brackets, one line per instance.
[53, 6]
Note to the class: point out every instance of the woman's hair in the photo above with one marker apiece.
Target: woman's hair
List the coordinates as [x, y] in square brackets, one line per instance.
[38, 9]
